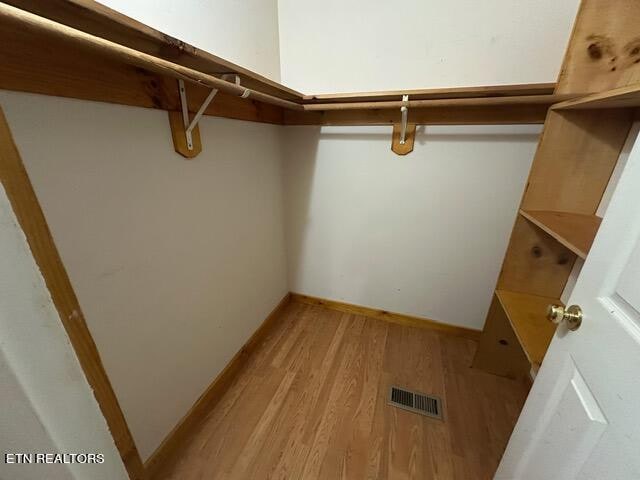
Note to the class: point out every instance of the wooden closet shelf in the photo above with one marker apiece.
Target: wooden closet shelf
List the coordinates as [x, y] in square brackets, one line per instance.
[527, 315]
[99, 20]
[574, 231]
[436, 93]
[623, 97]
[81, 49]
[481, 101]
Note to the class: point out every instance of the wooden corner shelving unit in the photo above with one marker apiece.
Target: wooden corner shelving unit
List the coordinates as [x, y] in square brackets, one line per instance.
[578, 151]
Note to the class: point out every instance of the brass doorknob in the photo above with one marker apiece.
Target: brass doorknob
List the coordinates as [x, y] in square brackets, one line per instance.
[572, 315]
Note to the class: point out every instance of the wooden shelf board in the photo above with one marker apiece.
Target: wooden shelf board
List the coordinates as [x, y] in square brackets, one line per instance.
[38, 61]
[527, 315]
[574, 231]
[480, 101]
[436, 93]
[623, 97]
[99, 20]
[440, 115]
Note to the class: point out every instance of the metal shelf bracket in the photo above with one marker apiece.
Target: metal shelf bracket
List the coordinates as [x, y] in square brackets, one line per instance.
[403, 133]
[190, 125]
[404, 110]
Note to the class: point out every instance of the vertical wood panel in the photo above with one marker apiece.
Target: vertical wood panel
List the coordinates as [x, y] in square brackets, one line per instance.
[535, 262]
[576, 156]
[604, 50]
[499, 351]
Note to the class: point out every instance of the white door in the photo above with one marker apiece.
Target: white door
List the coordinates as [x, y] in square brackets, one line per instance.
[582, 417]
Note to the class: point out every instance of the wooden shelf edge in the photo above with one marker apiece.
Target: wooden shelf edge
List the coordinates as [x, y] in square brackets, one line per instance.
[508, 90]
[441, 115]
[623, 97]
[479, 101]
[575, 231]
[519, 309]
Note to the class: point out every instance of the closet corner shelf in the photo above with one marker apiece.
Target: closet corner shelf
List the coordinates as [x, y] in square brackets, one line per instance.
[573, 230]
[623, 97]
[527, 315]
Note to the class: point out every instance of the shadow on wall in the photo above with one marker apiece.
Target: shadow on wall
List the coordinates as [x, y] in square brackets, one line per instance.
[410, 234]
[298, 185]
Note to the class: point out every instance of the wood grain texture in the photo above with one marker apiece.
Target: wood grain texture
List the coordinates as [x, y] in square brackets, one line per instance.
[52, 66]
[604, 49]
[97, 19]
[436, 93]
[535, 262]
[311, 404]
[488, 102]
[399, 318]
[527, 315]
[623, 97]
[189, 424]
[461, 115]
[46, 29]
[577, 153]
[574, 231]
[179, 136]
[410, 136]
[19, 189]
[499, 350]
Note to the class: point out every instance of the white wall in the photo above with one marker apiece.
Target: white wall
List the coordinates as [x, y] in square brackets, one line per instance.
[46, 404]
[360, 45]
[244, 32]
[175, 262]
[423, 234]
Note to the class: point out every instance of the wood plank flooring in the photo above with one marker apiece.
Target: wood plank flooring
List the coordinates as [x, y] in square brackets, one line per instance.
[312, 404]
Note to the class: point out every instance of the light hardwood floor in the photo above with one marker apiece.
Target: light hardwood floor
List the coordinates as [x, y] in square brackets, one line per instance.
[312, 404]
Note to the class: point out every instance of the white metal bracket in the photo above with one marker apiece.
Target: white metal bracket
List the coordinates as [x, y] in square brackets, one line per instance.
[404, 110]
[231, 77]
[190, 125]
[236, 79]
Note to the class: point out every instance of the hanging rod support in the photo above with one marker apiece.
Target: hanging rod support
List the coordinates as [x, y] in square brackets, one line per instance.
[236, 80]
[404, 110]
[190, 125]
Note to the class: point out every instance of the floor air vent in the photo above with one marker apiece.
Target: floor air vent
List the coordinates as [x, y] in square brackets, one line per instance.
[416, 402]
